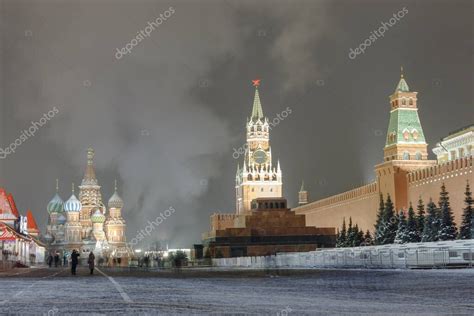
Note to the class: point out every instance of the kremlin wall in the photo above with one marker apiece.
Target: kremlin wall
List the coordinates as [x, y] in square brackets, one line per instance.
[406, 173]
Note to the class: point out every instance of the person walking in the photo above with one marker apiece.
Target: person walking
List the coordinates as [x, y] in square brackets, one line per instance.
[50, 260]
[91, 262]
[65, 259]
[74, 261]
[56, 259]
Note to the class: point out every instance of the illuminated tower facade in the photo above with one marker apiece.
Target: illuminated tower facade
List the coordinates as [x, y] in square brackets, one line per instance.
[405, 138]
[258, 177]
[72, 207]
[405, 147]
[90, 196]
[115, 224]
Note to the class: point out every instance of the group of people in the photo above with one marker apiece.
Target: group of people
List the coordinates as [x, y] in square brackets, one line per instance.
[74, 261]
[54, 257]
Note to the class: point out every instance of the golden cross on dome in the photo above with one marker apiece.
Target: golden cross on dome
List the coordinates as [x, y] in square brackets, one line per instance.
[256, 82]
[401, 71]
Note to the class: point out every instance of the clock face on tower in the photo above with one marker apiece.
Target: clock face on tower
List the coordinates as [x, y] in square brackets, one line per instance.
[259, 156]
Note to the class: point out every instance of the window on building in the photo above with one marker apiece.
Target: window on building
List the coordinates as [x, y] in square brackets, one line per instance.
[406, 134]
[414, 134]
[404, 102]
[418, 156]
[261, 190]
[411, 102]
[406, 156]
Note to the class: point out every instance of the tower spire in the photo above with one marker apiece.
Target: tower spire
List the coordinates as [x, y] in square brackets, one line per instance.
[257, 111]
[89, 176]
[402, 84]
[73, 188]
[57, 185]
[302, 186]
[302, 195]
[115, 185]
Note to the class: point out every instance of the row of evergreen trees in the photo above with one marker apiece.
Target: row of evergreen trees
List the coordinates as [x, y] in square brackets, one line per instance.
[352, 236]
[437, 223]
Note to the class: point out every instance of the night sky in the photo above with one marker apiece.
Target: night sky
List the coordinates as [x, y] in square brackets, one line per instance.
[164, 119]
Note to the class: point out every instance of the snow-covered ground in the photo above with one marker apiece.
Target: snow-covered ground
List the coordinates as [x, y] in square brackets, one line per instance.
[324, 292]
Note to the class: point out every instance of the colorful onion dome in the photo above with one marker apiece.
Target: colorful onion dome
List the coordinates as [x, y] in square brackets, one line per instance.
[115, 200]
[55, 205]
[73, 204]
[61, 219]
[98, 217]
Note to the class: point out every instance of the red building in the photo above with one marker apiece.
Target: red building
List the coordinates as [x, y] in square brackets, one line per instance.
[19, 243]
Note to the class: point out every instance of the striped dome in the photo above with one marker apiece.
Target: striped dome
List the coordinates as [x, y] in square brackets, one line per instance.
[98, 217]
[115, 201]
[73, 204]
[55, 205]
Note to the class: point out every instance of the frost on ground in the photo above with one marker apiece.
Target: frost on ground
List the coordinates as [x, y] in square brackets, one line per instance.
[324, 292]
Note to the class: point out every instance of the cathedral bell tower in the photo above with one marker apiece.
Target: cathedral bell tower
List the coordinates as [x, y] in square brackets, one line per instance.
[90, 196]
[258, 177]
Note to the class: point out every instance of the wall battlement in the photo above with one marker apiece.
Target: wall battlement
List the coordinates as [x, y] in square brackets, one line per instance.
[224, 216]
[438, 172]
[350, 195]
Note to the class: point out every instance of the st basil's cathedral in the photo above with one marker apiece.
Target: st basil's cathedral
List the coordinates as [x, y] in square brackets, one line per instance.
[85, 223]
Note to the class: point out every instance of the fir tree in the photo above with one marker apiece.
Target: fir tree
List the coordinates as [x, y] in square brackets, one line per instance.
[412, 229]
[448, 230]
[379, 223]
[390, 223]
[341, 240]
[368, 239]
[467, 225]
[431, 227]
[350, 234]
[359, 237]
[402, 233]
[420, 218]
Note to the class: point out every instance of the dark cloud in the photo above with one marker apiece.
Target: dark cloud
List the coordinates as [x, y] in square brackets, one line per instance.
[165, 117]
